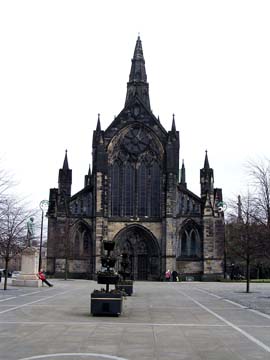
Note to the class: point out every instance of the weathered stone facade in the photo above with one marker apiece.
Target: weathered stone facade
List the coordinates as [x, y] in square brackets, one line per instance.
[133, 196]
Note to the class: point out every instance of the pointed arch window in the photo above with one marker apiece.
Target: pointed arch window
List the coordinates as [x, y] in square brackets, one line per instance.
[115, 189]
[155, 190]
[142, 190]
[190, 242]
[85, 242]
[184, 244]
[128, 189]
[82, 241]
[77, 244]
[135, 174]
[193, 247]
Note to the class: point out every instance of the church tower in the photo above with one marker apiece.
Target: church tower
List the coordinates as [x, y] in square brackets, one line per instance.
[213, 223]
[131, 171]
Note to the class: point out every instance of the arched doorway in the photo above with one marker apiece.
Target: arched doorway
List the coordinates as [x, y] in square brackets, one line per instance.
[143, 252]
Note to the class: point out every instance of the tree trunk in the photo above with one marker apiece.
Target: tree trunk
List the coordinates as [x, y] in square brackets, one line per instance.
[247, 273]
[6, 274]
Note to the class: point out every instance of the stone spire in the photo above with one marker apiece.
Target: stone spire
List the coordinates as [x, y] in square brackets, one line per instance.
[173, 125]
[65, 163]
[65, 178]
[98, 128]
[206, 162]
[87, 178]
[137, 72]
[97, 135]
[207, 180]
[137, 87]
[183, 175]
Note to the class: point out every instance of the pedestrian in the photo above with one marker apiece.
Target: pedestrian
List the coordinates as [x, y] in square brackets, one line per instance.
[174, 275]
[42, 277]
[168, 275]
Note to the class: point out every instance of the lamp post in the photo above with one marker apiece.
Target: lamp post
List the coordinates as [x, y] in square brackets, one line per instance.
[222, 207]
[44, 204]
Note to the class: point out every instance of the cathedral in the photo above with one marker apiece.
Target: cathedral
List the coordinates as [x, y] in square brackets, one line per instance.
[137, 196]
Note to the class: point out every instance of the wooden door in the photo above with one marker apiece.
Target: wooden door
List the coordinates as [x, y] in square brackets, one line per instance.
[142, 267]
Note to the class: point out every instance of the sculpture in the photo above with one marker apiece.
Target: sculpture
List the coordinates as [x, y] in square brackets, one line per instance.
[30, 231]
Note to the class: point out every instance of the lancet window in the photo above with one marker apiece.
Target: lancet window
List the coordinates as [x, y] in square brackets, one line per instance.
[189, 242]
[82, 241]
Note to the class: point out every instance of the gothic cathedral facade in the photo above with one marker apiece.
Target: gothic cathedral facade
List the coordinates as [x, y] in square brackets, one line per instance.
[136, 196]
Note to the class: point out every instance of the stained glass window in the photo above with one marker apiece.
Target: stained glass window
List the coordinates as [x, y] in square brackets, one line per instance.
[142, 190]
[128, 189]
[155, 190]
[184, 244]
[115, 189]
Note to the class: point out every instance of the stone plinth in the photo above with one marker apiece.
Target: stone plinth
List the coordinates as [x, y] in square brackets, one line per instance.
[28, 276]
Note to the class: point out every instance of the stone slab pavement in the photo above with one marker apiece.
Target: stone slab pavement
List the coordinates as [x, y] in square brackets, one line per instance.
[192, 320]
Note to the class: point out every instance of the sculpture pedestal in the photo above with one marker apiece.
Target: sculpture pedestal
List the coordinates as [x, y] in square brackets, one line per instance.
[28, 276]
[104, 303]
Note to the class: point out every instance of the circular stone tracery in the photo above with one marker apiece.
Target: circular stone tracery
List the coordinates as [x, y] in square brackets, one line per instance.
[135, 143]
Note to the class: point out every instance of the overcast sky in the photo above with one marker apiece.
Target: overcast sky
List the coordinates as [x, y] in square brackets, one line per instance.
[63, 62]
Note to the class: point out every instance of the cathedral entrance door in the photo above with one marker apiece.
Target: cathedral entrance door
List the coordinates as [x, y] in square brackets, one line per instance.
[142, 267]
[143, 251]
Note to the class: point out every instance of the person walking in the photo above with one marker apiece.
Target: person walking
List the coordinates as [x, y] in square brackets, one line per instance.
[174, 275]
[168, 275]
[42, 277]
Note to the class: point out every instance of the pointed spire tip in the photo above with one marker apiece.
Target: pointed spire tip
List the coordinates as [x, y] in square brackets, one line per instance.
[173, 124]
[138, 85]
[98, 128]
[206, 161]
[65, 164]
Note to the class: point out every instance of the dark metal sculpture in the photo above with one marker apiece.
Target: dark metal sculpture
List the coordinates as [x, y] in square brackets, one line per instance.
[104, 301]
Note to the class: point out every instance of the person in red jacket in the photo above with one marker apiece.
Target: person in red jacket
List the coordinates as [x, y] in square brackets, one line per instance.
[42, 277]
[168, 275]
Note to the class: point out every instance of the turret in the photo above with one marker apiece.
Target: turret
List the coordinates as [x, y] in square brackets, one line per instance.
[172, 150]
[207, 181]
[87, 178]
[65, 178]
[99, 152]
[183, 176]
[97, 133]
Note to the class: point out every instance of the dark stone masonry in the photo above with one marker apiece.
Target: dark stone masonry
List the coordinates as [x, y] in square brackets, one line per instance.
[136, 196]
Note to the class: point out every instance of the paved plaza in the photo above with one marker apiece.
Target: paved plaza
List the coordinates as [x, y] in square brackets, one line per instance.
[193, 320]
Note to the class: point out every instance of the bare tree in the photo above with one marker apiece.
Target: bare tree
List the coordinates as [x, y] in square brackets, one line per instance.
[259, 174]
[13, 218]
[244, 236]
[6, 183]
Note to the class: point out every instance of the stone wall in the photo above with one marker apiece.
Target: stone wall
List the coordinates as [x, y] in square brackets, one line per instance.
[154, 227]
[189, 267]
